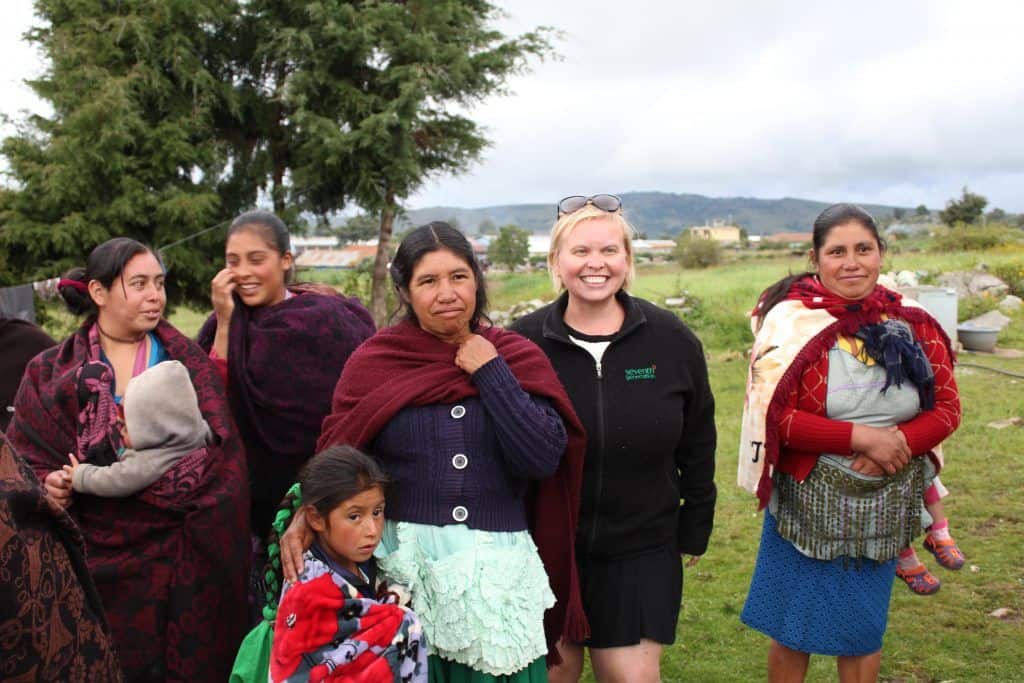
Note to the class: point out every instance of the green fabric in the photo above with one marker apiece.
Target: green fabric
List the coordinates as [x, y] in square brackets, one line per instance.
[443, 671]
[480, 595]
[252, 663]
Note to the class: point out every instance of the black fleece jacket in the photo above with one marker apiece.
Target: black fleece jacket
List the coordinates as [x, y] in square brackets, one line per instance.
[650, 421]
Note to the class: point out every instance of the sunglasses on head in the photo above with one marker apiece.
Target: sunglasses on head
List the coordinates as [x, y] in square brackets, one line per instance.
[605, 202]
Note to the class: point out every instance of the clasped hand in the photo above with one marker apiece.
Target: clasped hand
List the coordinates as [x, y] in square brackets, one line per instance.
[879, 450]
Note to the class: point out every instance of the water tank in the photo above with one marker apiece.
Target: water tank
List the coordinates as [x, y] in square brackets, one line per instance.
[941, 302]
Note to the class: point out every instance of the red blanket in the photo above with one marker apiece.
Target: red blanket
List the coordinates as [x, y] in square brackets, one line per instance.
[170, 563]
[403, 365]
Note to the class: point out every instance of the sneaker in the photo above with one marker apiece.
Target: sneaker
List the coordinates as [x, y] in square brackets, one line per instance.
[920, 580]
[946, 552]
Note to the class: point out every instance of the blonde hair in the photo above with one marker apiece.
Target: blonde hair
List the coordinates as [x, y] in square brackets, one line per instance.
[568, 222]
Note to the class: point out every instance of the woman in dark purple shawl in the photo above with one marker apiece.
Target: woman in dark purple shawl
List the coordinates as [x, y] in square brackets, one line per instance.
[281, 348]
[170, 563]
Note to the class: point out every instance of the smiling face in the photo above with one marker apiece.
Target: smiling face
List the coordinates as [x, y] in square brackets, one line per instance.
[134, 302]
[258, 268]
[592, 261]
[442, 295]
[849, 260]
[352, 530]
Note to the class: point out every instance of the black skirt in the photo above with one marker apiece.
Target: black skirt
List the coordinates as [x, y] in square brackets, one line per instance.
[631, 598]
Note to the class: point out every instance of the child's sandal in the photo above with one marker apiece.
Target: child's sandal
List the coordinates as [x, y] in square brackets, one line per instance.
[920, 580]
[945, 551]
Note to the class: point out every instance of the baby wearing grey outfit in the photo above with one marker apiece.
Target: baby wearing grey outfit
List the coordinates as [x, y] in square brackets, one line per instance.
[163, 424]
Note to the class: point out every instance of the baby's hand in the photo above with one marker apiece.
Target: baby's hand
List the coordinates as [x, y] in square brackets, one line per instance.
[58, 486]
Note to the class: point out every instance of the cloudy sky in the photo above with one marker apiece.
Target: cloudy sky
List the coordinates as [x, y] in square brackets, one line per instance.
[890, 102]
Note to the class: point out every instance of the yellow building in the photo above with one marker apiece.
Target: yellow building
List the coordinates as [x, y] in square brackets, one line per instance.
[719, 233]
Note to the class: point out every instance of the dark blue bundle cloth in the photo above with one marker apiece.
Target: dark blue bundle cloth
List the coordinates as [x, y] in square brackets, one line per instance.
[891, 344]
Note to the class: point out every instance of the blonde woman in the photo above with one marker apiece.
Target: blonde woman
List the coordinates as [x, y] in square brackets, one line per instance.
[638, 380]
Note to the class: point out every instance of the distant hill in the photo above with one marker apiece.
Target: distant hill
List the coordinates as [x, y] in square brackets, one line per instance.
[657, 214]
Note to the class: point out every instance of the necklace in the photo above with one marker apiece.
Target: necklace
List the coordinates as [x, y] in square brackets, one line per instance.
[121, 340]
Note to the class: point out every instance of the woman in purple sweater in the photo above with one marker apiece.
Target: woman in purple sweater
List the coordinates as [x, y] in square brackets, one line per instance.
[479, 440]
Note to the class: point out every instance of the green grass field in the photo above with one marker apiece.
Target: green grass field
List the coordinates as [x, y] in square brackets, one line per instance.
[946, 637]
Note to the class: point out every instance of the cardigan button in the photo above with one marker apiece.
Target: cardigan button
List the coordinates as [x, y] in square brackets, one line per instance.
[459, 513]
[458, 411]
[459, 461]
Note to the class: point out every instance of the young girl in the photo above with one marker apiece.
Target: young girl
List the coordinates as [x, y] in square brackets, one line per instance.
[329, 623]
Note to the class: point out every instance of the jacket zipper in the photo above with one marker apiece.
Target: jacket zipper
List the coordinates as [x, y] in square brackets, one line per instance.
[599, 484]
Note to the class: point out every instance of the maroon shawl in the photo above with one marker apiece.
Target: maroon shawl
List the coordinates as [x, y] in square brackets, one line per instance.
[50, 613]
[171, 562]
[404, 366]
[283, 363]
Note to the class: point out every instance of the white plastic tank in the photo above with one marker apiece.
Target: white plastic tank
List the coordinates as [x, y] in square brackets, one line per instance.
[941, 302]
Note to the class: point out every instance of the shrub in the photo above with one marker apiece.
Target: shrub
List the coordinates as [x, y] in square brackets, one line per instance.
[696, 252]
[968, 238]
[1012, 274]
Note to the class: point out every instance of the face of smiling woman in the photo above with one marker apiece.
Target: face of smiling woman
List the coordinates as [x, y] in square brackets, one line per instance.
[592, 262]
[442, 294]
[849, 261]
[259, 269]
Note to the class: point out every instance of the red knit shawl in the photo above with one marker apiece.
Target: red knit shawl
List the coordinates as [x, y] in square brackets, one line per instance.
[405, 366]
[171, 562]
[850, 315]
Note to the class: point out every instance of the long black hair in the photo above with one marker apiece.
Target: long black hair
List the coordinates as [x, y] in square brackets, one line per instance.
[434, 237]
[269, 227]
[105, 264]
[336, 474]
[827, 220]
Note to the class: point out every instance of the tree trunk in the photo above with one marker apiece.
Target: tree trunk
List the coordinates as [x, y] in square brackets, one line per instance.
[379, 290]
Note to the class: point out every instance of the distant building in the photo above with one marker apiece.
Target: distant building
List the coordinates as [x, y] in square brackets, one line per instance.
[653, 247]
[793, 239]
[718, 231]
[349, 256]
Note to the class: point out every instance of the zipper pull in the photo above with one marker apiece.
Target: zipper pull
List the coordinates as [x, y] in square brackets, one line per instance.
[597, 364]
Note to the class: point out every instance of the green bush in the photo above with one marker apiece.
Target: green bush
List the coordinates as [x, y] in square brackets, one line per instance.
[969, 238]
[1012, 273]
[697, 252]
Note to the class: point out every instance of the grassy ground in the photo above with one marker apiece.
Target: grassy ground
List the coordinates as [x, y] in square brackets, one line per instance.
[947, 637]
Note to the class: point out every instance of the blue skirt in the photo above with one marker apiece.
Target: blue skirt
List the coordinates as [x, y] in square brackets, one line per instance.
[836, 608]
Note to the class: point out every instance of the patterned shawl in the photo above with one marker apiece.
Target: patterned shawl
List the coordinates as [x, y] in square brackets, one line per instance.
[170, 563]
[402, 366]
[283, 363]
[50, 614]
[791, 337]
[326, 631]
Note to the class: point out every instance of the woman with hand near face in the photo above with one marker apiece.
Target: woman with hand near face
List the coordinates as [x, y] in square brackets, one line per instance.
[638, 380]
[165, 560]
[484, 455]
[850, 389]
[281, 348]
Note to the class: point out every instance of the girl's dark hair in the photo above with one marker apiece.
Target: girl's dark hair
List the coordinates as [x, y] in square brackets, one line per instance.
[832, 217]
[268, 226]
[336, 474]
[433, 237]
[105, 263]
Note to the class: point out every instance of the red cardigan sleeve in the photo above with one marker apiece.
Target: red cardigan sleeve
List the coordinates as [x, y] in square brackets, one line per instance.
[931, 427]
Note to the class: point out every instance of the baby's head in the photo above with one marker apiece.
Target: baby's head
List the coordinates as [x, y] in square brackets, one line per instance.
[161, 409]
[343, 496]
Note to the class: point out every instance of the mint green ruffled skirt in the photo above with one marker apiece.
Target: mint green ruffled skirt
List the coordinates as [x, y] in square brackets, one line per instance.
[481, 595]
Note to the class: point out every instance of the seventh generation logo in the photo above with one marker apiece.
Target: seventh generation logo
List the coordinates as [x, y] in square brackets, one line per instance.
[637, 374]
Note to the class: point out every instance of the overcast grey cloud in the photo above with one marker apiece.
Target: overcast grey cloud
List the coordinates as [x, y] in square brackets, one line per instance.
[889, 102]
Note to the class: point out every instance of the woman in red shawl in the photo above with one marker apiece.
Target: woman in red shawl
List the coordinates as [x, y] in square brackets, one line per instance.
[485, 456]
[850, 392]
[169, 562]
